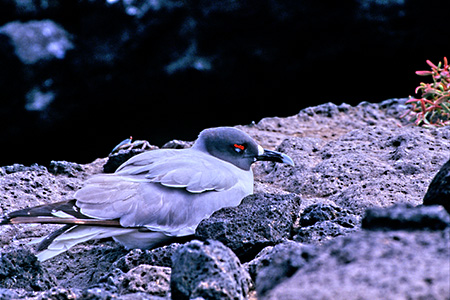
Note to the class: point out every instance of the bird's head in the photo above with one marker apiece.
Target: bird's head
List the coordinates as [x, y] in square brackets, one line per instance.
[236, 147]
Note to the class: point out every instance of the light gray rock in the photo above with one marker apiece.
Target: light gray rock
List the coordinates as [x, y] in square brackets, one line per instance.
[373, 265]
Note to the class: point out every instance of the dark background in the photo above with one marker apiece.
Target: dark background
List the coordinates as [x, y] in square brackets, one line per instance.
[77, 77]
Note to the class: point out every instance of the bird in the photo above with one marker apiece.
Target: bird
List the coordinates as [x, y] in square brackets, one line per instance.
[155, 196]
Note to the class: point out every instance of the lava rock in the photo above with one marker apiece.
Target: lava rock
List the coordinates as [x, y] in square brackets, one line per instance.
[117, 159]
[95, 293]
[177, 144]
[9, 294]
[406, 217]
[208, 270]
[321, 221]
[321, 231]
[148, 279]
[372, 265]
[260, 220]
[161, 256]
[21, 269]
[58, 293]
[368, 167]
[21, 168]
[325, 212]
[439, 189]
[279, 263]
[65, 168]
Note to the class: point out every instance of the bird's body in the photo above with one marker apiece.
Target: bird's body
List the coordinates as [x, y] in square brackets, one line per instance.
[154, 196]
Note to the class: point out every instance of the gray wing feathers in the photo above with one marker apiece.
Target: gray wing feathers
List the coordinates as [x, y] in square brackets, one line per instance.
[171, 194]
[190, 169]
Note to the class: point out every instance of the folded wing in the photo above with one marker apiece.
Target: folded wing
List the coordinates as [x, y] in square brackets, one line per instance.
[167, 190]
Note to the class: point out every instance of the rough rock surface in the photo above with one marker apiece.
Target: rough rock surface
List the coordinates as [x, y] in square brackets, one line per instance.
[148, 279]
[21, 269]
[272, 222]
[406, 217]
[352, 165]
[371, 265]
[439, 190]
[319, 222]
[208, 270]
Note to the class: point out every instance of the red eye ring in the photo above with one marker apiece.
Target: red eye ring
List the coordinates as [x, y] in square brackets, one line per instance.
[237, 146]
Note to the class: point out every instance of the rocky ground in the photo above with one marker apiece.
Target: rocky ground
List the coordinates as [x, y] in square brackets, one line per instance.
[347, 222]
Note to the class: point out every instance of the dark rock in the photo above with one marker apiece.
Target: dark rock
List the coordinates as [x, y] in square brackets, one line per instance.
[324, 212]
[208, 270]
[65, 168]
[177, 144]
[439, 189]
[115, 160]
[86, 265]
[406, 217]
[320, 222]
[321, 231]
[260, 220]
[279, 264]
[21, 269]
[161, 256]
[372, 265]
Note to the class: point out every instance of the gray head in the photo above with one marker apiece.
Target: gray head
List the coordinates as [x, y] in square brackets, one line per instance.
[236, 147]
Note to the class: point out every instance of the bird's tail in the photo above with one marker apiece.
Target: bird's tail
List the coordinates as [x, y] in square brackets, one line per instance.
[70, 235]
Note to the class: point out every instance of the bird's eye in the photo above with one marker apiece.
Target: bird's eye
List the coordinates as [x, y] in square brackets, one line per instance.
[239, 148]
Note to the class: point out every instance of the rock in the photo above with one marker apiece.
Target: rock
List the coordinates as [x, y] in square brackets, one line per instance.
[278, 264]
[368, 167]
[439, 189]
[21, 168]
[177, 144]
[97, 293]
[406, 217]
[9, 294]
[321, 231]
[58, 293]
[372, 265]
[208, 270]
[21, 269]
[116, 159]
[348, 159]
[65, 168]
[86, 265]
[320, 222]
[147, 279]
[161, 256]
[260, 220]
[325, 212]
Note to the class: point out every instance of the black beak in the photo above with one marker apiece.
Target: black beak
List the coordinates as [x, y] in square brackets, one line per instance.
[269, 155]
